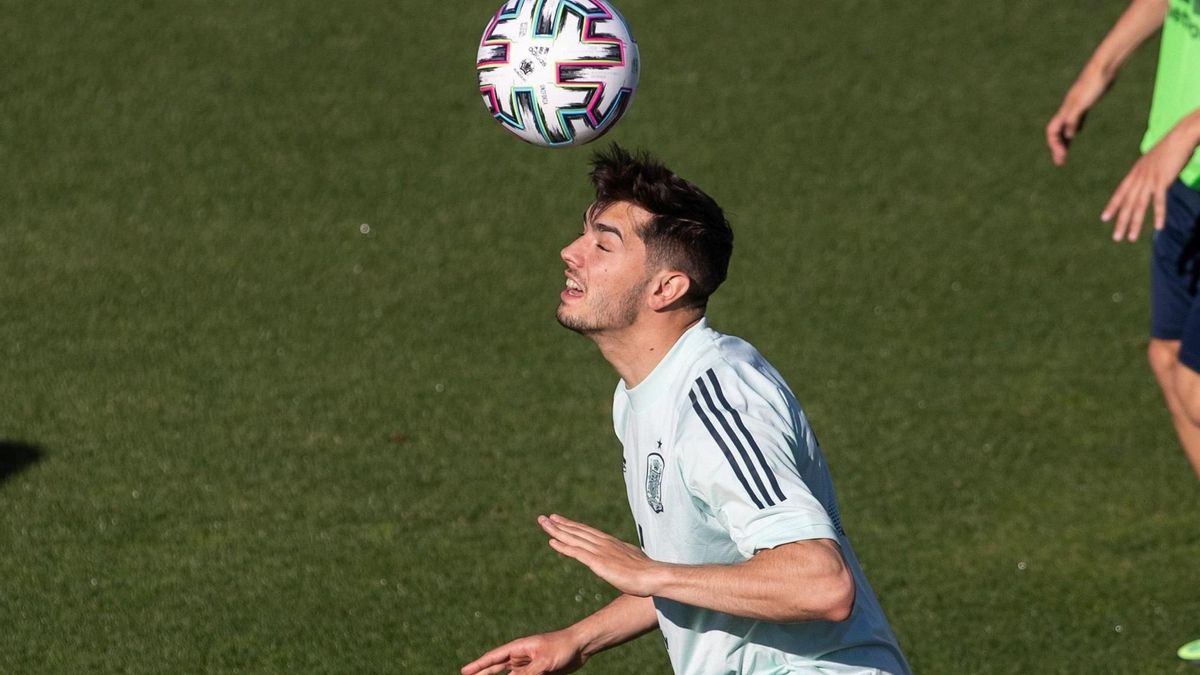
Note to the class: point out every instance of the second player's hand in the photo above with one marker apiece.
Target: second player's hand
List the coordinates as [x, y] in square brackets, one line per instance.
[623, 565]
[1145, 187]
[1068, 120]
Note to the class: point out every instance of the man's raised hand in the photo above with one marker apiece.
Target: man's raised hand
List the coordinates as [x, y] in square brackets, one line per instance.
[623, 565]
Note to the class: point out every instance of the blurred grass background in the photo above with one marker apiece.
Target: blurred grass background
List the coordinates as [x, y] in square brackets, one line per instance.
[276, 325]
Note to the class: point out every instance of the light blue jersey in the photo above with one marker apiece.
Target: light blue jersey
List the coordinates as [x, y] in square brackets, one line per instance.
[720, 463]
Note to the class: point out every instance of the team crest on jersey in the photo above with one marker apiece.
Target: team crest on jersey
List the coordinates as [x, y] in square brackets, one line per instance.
[654, 475]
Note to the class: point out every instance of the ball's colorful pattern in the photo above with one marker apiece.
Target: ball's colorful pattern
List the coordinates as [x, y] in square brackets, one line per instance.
[557, 72]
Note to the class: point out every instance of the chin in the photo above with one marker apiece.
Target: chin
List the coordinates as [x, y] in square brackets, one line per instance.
[571, 322]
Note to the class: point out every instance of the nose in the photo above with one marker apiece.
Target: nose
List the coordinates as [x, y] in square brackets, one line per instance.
[570, 253]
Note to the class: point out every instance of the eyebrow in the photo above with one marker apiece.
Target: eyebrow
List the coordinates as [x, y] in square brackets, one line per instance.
[610, 229]
[588, 220]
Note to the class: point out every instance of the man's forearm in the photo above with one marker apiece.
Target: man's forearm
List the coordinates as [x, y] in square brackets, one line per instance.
[1187, 130]
[804, 581]
[1138, 22]
[620, 621]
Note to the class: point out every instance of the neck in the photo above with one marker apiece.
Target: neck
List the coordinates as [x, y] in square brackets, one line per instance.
[634, 351]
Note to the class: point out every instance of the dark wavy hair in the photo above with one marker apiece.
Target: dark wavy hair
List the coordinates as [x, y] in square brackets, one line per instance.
[688, 231]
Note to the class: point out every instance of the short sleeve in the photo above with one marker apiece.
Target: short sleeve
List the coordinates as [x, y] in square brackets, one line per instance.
[737, 455]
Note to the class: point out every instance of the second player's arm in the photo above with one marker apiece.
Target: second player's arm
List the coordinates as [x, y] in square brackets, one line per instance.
[1146, 184]
[1138, 22]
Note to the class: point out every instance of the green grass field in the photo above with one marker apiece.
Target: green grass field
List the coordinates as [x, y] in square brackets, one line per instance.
[240, 431]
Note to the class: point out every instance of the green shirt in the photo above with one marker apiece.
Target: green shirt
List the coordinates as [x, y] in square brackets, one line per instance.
[1177, 85]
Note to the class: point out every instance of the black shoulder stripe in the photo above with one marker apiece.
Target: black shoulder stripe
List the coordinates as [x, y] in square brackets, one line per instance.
[737, 419]
[737, 442]
[724, 448]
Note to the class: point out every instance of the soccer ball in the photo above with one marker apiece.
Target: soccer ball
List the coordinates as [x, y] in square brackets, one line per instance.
[557, 72]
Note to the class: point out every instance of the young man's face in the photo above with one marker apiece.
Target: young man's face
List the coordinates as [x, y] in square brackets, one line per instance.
[606, 271]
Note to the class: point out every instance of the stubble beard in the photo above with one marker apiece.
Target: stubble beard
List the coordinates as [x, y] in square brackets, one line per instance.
[606, 316]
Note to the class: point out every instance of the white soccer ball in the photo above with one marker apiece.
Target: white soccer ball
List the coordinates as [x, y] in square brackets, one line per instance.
[557, 72]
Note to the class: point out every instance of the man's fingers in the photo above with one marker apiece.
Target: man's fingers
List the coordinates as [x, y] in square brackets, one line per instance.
[1122, 227]
[1136, 218]
[557, 526]
[565, 549]
[588, 559]
[1056, 139]
[583, 529]
[1137, 214]
[1117, 214]
[497, 658]
[1052, 139]
[574, 548]
[1060, 132]
[563, 520]
[531, 668]
[557, 531]
[580, 555]
[478, 667]
[505, 657]
[1144, 205]
[1110, 209]
[1160, 209]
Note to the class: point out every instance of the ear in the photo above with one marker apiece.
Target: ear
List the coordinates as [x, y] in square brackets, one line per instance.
[667, 288]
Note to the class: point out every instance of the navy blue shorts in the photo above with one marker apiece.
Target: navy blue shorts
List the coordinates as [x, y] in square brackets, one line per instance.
[1175, 275]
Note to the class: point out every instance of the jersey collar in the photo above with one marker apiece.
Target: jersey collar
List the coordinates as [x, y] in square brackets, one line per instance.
[659, 381]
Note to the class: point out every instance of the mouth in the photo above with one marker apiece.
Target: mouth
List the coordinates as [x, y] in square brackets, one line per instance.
[572, 289]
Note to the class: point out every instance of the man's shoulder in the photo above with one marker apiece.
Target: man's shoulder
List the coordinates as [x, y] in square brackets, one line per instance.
[734, 363]
[707, 372]
[738, 353]
[727, 355]
[735, 384]
[723, 363]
